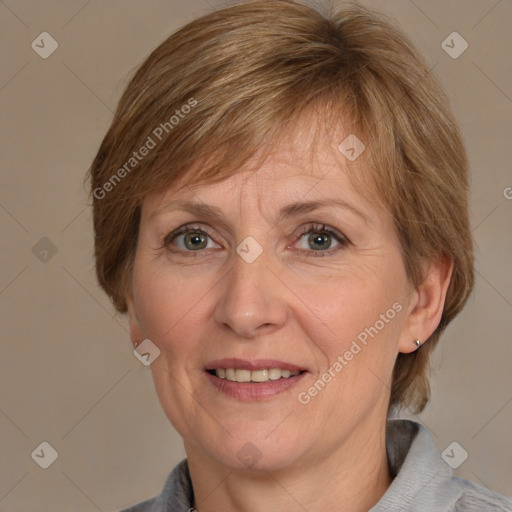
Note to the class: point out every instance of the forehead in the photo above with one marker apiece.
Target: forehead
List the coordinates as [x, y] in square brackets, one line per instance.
[306, 163]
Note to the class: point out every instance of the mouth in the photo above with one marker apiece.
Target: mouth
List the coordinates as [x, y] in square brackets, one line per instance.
[253, 380]
[255, 376]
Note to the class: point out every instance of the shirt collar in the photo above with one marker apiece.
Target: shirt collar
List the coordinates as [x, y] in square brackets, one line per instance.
[417, 467]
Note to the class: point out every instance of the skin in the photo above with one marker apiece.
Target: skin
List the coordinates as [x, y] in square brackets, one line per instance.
[287, 305]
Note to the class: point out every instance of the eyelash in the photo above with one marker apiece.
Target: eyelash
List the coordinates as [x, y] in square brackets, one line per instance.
[342, 240]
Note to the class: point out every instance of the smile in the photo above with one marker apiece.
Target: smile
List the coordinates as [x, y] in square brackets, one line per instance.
[265, 375]
[250, 380]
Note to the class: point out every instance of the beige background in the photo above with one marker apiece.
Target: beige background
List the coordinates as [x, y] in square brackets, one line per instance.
[67, 372]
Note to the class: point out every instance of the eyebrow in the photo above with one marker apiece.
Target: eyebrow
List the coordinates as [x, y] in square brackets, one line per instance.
[289, 211]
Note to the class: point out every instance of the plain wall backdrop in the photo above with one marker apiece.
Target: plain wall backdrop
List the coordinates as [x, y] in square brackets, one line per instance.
[68, 376]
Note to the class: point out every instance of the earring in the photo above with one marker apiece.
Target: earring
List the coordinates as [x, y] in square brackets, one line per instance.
[417, 343]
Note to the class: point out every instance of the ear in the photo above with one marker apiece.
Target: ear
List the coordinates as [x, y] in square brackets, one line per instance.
[136, 334]
[426, 303]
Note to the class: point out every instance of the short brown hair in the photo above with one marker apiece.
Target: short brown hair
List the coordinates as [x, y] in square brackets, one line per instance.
[228, 84]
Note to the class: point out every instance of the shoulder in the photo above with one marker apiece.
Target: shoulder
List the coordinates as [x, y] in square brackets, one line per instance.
[474, 498]
[144, 506]
[423, 481]
[176, 495]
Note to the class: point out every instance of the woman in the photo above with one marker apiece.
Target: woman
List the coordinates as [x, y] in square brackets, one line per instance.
[280, 207]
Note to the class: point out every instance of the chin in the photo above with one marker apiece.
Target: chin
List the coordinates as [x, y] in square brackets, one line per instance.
[258, 451]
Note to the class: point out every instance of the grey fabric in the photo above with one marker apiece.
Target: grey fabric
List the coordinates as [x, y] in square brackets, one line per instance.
[422, 481]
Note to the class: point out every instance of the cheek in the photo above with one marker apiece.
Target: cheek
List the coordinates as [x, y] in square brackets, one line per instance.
[170, 310]
[355, 321]
[167, 303]
[345, 307]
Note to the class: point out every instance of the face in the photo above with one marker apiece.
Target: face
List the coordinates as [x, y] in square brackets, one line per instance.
[247, 285]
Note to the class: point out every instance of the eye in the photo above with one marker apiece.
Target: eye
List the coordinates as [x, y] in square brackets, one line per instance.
[319, 238]
[189, 239]
[313, 238]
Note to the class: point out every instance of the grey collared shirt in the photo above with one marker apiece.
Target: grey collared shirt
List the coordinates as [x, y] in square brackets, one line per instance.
[422, 481]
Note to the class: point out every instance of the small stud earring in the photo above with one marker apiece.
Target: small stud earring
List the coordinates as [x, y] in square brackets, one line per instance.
[417, 343]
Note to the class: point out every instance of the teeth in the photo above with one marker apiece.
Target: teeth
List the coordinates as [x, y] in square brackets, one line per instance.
[260, 376]
[236, 375]
[274, 374]
[243, 376]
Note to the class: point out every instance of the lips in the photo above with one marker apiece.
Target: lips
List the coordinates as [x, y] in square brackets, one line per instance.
[233, 377]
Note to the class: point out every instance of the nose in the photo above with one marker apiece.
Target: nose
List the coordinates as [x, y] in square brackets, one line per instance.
[252, 300]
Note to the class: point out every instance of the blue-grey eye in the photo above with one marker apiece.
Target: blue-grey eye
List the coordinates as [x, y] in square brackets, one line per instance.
[318, 238]
[195, 241]
[318, 241]
[190, 239]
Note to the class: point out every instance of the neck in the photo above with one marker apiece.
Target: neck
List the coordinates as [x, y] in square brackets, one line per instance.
[353, 476]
